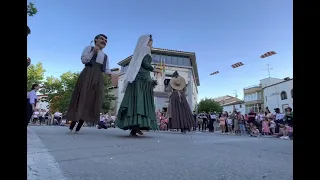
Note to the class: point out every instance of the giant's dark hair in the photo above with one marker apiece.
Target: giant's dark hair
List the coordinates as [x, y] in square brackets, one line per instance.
[99, 35]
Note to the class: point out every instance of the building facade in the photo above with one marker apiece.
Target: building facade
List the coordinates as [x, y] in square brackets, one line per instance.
[183, 62]
[223, 100]
[253, 95]
[239, 105]
[279, 95]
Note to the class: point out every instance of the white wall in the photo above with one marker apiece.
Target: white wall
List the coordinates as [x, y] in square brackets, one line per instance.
[269, 81]
[272, 95]
[240, 107]
[194, 94]
[160, 87]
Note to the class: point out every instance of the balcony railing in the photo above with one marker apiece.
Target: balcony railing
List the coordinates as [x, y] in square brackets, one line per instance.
[253, 86]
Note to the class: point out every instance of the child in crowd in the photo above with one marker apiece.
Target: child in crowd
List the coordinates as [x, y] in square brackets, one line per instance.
[286, 131]
[254, 131]
[272, 126]
[265, 126]
[222, 121]
[242, 128]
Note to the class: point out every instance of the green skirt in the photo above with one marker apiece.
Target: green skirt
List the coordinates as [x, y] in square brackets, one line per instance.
[137, 109]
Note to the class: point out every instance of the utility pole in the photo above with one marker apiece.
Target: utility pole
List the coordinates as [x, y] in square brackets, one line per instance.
[235, 93]
[268, 69]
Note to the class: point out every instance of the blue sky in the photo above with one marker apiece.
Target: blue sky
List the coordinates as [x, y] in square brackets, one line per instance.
[220, 32]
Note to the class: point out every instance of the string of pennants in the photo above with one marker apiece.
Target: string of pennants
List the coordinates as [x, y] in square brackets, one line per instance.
[239, 64]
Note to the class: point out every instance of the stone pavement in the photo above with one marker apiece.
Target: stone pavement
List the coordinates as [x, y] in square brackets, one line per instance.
[112, 155]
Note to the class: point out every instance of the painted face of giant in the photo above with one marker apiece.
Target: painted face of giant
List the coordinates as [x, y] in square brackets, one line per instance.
[100, 41]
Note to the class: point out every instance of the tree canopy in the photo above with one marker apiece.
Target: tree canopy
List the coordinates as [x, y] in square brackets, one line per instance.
[59, 91]
[209, 105]
[31, 9]
[35, 74]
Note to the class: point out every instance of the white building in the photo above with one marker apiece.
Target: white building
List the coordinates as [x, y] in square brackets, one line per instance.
[239, 105]
[183, 62]
[253, 95]
[279, 95]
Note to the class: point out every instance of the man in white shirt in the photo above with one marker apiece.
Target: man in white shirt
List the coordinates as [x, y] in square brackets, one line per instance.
[278, 119]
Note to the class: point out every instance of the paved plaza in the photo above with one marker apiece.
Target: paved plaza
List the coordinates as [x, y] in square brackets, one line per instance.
[112, 155]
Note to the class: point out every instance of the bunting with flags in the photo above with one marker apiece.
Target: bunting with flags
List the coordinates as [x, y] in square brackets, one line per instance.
[267, 54]
[238, 64]
[216, 72]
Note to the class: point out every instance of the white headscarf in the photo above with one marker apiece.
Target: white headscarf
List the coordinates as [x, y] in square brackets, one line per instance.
[141, 50]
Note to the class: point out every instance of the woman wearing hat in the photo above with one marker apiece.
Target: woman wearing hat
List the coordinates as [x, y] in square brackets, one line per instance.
[137, 110]
[180, 114]
[86, 100]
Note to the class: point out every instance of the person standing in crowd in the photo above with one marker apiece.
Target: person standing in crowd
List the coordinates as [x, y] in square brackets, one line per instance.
[222, 122]
[241, 122]
[235, 122]
[137, 109]
[47, 118]
[35, 116]
[259, 118]
[230, 124]
[204, 117]
[252, 117]
[278, 119]
[267, 113]
[213, 118]
[181, 114]
[195, 125]
[288, 118]
[226, 130]
[42, 114]
[86, 100]
[31, 101]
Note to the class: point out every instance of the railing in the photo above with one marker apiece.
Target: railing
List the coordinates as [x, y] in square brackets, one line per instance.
[251, 100]
[253, 86]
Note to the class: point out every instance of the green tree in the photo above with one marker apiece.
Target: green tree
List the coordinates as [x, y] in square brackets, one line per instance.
[31, 9]
[108, 97]
[50, 87]
[35, 74]
[209, 105]
[60, 91]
